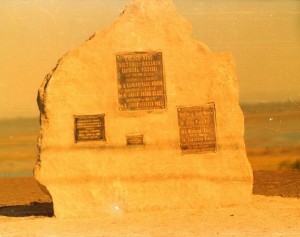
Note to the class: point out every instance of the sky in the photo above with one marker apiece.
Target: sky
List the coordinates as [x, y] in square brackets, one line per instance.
[263, 35]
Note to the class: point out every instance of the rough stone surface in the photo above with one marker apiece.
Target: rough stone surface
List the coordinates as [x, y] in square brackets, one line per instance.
[96, 177]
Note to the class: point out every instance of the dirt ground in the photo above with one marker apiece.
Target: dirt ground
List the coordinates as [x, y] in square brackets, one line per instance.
[26, 211]
[285, 183]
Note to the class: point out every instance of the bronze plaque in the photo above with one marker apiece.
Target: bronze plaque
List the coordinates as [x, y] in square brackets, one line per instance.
[141, 84]
[89, 128]
[135, 139]
[197, 129]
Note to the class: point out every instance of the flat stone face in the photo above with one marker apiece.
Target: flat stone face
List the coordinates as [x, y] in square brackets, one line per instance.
[142, 117]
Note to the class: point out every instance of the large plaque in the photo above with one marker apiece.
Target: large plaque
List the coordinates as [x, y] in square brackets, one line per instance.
[141, 84]
[89, 128]
[197, 129]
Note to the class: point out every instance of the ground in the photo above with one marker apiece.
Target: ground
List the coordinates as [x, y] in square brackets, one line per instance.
[25, 211]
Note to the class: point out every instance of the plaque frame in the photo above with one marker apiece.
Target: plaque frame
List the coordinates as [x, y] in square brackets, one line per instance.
[161, 74]
[101, 128]
[209, 105]
[135, 140]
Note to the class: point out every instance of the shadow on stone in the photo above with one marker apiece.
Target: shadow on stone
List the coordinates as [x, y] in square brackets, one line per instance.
[33, 209]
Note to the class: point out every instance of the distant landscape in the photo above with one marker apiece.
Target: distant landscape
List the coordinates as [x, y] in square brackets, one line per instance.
[272, 137]
[18, 149]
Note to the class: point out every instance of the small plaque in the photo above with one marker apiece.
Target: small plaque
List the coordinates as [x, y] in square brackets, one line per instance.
[141, 84]
[135, 139]
[197, 129]
[89, 128]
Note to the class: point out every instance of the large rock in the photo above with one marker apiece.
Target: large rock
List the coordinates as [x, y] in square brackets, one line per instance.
[141, 117]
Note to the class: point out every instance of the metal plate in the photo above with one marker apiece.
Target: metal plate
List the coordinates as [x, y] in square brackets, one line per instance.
[89, 128]
[137, 139]
[141, 84]
[197, 129]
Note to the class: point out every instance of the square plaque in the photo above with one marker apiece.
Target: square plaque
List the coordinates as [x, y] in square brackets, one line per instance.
[197, 129]
[89, 128]
[141, 84]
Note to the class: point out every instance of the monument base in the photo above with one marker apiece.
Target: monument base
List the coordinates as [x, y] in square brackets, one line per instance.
[108, 181]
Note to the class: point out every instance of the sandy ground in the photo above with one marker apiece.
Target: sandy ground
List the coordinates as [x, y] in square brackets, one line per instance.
[265, 216]
[21, 203]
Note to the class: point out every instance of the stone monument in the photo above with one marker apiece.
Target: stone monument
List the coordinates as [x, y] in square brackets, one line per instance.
[140, 117]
